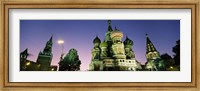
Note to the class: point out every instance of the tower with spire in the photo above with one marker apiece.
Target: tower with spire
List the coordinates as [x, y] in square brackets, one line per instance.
[113, 54]
[24, 55]
[23, 59]
[96, 49]
[45, 57]
[151, 52]
[107, 38]
[128, 48]
[154, 61]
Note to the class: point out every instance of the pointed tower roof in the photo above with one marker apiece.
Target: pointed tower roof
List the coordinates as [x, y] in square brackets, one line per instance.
[97, 40]
[109, 26]
[48, 46]
[25, 51]
[149, 45]
[50, 40]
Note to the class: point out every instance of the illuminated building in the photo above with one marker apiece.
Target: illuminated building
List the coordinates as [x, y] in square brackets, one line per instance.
[113, 54]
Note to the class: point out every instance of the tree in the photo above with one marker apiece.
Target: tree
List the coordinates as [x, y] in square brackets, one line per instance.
[167, 60]
[161, 65]
[176, 50]
[70, 62]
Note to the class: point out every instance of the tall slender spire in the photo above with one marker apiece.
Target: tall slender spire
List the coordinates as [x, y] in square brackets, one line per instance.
[50, 40]
[107, 36]
[109, 22]
[48, 47]
[109, 26]
[149, 45]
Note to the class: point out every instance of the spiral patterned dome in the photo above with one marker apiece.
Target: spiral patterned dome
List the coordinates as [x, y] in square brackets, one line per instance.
[116, 33]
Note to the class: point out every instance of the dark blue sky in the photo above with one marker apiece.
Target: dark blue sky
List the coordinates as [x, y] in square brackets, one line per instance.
[79, 34]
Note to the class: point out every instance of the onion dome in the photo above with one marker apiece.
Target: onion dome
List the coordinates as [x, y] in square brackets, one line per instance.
[104, 44]
[128, 41]
[116, 33]
[97, 40]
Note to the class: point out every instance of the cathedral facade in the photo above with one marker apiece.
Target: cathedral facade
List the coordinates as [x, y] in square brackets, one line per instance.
[113, 54]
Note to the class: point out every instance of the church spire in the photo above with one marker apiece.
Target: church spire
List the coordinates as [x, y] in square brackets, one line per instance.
[149, 45]
[48, 48]
[109, 26]
[109, 22]
[107, 36]
[50, 40]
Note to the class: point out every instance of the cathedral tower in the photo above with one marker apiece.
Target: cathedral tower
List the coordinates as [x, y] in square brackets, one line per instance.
[117, 44]
[24, 55]
[45, 57]
[96, 50]
[128, 44]
[96, 63]
[151, 52]
[154, 61]
[108, 31]
[108, 39]
[23, 59]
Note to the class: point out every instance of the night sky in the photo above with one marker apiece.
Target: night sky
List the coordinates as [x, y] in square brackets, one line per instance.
[79, 34]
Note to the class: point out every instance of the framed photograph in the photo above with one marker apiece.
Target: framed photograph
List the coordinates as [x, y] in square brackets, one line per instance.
[100, 45]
